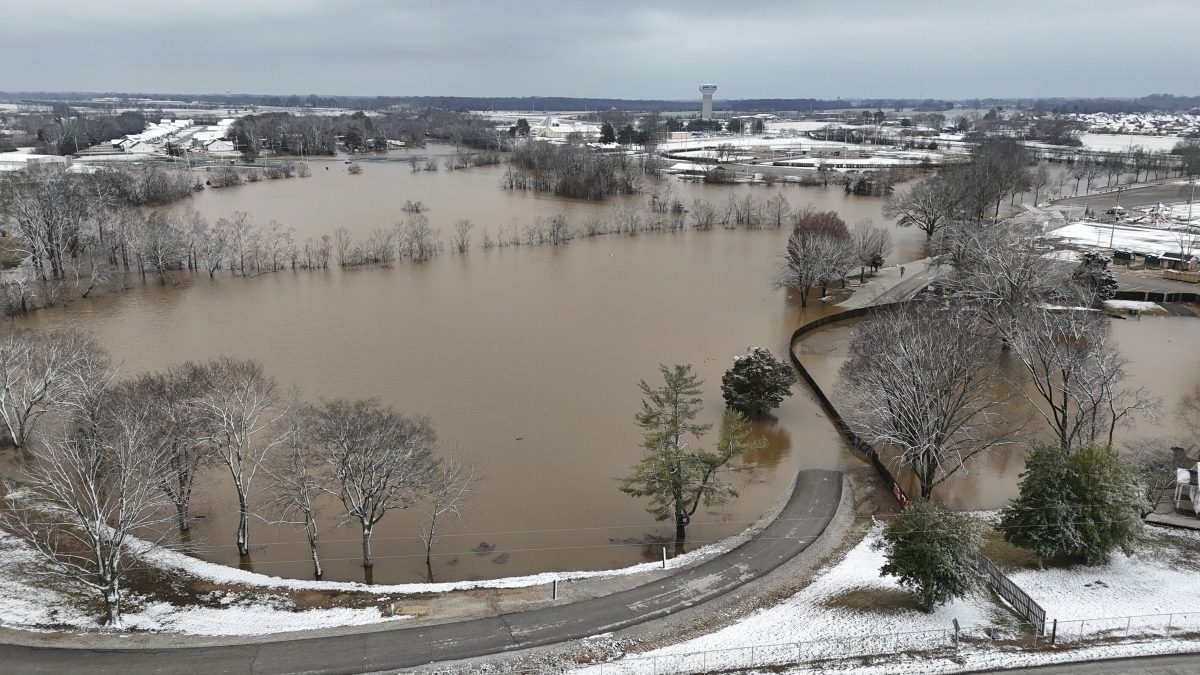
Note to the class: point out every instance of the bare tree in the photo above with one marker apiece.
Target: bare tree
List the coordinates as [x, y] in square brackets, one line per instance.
[558, 231]
[379, 459]
[212, 247]
[919, 379]
[872, 244]
[341, 245]
[928, 206]
[36, 370]
[703, 215]
[1001, 267]
[238, 413]
[1075, 373]
[417, 238]
[296, 479]
[1040, 181]
[85, 495]
[462, 235]
[448, 493]
[169, 399]
[778, 211]
[818, 252]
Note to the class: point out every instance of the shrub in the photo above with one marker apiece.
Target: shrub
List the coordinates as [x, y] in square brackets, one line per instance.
[1081, 506]
[931, 549]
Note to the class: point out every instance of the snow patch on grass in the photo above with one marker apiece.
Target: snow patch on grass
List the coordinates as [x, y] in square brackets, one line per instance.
[1160, 578]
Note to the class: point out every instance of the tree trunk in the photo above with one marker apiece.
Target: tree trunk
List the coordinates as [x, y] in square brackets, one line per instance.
[112, 603]
[366, 547]
[312, 546]
[242, 534]
[181, 514]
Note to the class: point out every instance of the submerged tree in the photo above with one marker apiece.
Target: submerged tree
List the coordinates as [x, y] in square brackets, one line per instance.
[238, 413]
[819, 252]
[379, 459]
[932, 550]
[1075, 372]
[169, 401]
[450, 490]
[37, 372]
[919, 378]
[296, 480]
[676, 476]
[757, 382]
[928, 206]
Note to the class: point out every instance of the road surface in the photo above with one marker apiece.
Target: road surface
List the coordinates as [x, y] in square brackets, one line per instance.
[1182, 664]
[1167, 192]
[812, 505]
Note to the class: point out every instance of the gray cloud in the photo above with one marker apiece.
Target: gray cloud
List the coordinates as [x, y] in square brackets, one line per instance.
[615, 48]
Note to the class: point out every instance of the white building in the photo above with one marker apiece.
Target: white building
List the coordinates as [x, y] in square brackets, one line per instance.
[553, 127]
[20, 161]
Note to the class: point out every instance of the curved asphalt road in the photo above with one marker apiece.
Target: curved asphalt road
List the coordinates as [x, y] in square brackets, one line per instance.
[812, 505]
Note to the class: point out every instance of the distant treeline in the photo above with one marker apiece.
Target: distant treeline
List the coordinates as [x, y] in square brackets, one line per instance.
[1153, 102]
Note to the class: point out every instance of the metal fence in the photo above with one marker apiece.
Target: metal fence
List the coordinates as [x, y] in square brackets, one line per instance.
[1019, 637]
[1136, 628]
[777, 655]
[1017, 598]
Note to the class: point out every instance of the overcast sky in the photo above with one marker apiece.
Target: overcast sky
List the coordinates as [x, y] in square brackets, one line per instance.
[605, 48]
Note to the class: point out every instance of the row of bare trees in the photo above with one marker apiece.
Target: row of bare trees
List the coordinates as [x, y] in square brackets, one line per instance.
[110, 465]
[999, 168]
[931, 379]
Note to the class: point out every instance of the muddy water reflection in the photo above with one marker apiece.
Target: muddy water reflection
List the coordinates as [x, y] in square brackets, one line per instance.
[525, 358]
[1161, 358]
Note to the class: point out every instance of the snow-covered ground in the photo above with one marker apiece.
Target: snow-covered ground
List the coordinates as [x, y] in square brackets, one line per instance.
[26, 603]
[1138, 305]
[1160, 578]
[1118, 236]
[41, 606]
[847, 601]
[849, 610]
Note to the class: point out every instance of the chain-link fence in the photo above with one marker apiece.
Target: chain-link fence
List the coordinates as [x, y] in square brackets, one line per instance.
[780, 654]
[1136, 628]
[1018, 636]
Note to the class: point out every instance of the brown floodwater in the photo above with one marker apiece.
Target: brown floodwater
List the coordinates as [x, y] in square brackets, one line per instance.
[526, 359]
[1161, 359]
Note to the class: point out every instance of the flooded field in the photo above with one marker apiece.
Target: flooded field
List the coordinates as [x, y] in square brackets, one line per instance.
[525, 358]
[1157, 361]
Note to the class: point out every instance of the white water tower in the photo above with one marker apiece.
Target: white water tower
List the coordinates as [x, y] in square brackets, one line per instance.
[706, 109]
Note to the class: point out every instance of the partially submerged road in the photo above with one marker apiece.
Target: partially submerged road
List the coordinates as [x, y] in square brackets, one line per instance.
[812, 505]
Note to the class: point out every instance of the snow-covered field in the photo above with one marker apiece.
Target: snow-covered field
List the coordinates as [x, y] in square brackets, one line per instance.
[1122, 142]
[850, 609]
